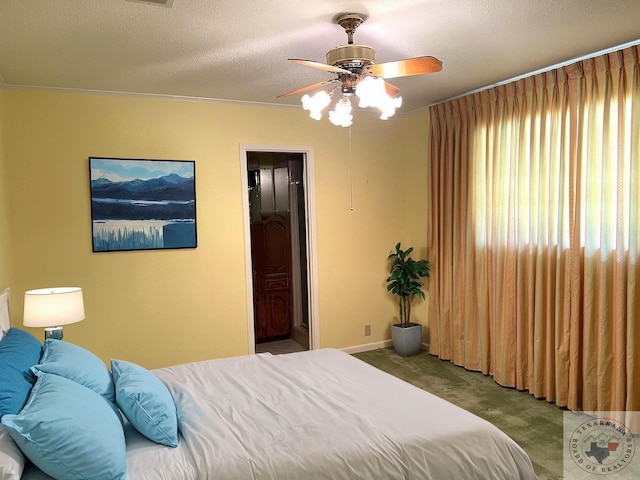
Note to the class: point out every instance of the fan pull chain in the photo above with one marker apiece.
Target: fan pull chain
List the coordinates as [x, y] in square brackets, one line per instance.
[350, 174]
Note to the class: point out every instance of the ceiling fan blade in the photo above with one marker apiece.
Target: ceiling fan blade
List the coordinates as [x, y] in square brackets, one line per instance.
[307, 88]
[392, 90]
[405, 68]
[319, 66]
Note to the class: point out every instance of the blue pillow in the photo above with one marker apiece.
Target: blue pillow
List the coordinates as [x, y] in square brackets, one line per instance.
[19, 351]
[146, 402]
[69, 431]
[75, 363]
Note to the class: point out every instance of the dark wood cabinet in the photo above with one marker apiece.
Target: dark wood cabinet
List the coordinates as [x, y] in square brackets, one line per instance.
[260, 314]
[278, 313]
[271, 253]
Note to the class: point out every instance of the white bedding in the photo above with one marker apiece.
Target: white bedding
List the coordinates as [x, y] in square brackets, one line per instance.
[146, 460]
[326, 415]
[5, 321]
[317, 415]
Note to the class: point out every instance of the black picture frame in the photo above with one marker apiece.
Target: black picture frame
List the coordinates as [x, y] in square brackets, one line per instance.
[139, 204]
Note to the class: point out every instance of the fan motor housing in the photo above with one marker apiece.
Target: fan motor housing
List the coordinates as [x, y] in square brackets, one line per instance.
[351, 55]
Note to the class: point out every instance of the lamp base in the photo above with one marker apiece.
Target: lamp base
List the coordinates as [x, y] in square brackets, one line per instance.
[53, 332]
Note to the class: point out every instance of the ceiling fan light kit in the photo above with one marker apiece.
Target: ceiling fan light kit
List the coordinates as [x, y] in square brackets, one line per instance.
[341, 115]
[316, 103]
[357, 73]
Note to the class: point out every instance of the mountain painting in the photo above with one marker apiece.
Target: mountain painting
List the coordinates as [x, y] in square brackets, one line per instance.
[142, 204]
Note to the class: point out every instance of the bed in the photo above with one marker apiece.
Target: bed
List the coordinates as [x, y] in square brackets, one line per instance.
[321, 414]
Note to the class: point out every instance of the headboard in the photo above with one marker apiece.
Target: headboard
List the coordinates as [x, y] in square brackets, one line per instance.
[5, 320]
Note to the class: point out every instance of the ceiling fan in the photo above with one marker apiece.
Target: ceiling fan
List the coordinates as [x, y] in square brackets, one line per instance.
[357, 72]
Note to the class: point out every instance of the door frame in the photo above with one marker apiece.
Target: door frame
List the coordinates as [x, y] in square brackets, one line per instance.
[312, 250]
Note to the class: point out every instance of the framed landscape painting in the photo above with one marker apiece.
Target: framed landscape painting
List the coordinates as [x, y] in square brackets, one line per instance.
[142, 204]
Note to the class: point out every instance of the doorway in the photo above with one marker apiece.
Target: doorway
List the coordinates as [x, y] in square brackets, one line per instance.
[279, 219]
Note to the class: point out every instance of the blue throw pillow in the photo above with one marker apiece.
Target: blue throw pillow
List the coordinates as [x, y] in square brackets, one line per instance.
[146, 402]
[19, 351]
[69, 431]
[77, 364]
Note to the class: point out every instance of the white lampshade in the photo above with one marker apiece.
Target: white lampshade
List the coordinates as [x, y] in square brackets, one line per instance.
[370, 90]
[49, 307]
[341, 115]
[316, 103]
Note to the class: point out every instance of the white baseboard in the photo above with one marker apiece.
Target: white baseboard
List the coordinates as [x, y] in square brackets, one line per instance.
[374, 346]
[367, 347]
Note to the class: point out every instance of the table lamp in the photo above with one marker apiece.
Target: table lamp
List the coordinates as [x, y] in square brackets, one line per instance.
[53, 307]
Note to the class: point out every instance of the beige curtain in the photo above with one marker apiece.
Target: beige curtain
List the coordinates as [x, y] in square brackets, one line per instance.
[534, 240]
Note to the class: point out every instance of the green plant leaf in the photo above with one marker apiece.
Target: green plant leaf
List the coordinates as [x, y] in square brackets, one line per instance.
[403, 279]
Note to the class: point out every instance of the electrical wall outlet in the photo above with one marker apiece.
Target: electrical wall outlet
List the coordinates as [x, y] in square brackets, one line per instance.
[367, 330]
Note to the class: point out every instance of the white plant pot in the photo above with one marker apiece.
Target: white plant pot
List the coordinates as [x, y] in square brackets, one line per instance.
[407, 341]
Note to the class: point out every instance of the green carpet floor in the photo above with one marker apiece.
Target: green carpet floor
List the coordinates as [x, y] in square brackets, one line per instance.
[535, 425]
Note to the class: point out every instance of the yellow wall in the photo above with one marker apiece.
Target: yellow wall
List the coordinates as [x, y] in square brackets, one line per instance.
[164, 307]
[5, 248]
[386, 166]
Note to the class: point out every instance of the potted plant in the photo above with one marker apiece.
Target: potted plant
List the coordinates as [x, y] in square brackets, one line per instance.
[404, 281]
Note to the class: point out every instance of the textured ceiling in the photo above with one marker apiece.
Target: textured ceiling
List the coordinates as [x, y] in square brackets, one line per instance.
[237, 50]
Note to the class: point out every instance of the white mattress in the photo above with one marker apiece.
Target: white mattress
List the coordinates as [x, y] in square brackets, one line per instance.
[317, 415]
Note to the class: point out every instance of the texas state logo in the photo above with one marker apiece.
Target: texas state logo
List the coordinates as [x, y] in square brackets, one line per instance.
[602, 446]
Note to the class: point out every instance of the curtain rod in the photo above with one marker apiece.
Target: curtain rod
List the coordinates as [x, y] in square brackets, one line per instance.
[541, 70]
